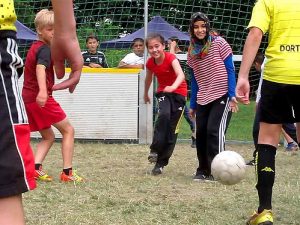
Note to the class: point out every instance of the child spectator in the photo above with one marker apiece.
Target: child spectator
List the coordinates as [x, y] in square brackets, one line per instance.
[92, 57]
[210, 58]
[171, 96]
[136, 58]
[42, 109]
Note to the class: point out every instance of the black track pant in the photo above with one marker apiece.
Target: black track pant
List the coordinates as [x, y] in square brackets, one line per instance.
[170, 111]
[211, 123]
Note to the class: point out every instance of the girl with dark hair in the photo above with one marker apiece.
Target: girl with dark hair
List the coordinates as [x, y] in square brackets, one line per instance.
[171, 97]
[212, 91]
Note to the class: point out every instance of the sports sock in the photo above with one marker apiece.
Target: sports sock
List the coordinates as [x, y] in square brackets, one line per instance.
[37, 166]
[265, 172]
[67, 171]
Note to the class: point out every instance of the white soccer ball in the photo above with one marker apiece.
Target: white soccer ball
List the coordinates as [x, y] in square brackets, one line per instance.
[228, 167]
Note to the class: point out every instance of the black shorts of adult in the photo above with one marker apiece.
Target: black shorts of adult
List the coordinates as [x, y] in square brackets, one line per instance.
[279, 103]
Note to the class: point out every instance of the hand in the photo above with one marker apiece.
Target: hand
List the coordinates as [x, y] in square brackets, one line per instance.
[41, 98]
[242, 91]
[95, 65]
[192, 113]
[233, 104]
[169, 89]
[173, 45]
[146, 99]
[64, 47]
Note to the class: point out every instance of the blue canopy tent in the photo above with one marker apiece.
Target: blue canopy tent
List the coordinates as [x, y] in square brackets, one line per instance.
[157, 25]
[24, 33]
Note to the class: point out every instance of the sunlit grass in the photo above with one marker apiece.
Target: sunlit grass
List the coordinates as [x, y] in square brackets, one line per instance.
[120, 190]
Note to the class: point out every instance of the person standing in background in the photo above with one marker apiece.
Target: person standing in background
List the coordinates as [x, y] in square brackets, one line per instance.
[174, 48]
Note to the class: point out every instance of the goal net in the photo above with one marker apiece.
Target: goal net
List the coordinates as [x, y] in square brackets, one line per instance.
[114, 19]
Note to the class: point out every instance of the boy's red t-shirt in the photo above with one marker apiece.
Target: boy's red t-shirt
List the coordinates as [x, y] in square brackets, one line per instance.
[38, 54]
[165, 74]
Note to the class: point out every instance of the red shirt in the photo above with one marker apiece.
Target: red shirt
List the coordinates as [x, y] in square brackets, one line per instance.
[165, 74]
[38, 54]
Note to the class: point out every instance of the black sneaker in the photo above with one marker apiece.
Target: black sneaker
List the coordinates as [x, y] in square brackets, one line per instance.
[251, 163]
[152, 158]
[193, 145]
[200, 176]
[209, 178]
[157, 169]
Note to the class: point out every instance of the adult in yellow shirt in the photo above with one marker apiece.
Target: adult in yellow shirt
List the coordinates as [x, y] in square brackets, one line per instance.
[280, 89]
[16, 177]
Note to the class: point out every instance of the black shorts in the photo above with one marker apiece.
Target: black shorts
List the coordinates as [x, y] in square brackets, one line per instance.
[279, 103]
[16, 156]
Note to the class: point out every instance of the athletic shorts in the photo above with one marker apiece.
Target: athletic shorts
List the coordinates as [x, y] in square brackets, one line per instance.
[41, 118]
[279, 103]
[16, 156]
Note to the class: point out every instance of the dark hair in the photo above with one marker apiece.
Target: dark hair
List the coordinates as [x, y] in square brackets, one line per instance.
[214, 31]
[91, 37]
[155, 36]
[259, 58]
[199, 16]
[136, 40]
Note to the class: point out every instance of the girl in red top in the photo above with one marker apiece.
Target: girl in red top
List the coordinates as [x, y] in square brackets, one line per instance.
[171, 97]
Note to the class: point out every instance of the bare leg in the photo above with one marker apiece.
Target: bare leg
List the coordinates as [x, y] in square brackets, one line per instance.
[67, 148]
[286, 137]
[11, 210]
[269, 134]
[44, 146]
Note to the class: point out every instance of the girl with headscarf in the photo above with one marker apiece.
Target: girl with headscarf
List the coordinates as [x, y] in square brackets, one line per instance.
[212, 91]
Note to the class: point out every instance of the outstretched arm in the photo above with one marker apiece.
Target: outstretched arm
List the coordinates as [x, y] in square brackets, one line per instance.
[65, 45]
[250, 49]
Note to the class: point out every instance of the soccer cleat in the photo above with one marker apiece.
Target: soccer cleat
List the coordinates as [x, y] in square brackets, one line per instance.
[73, 176]
[263, 218]
[41, 175]
[157, 169]
[152, 158]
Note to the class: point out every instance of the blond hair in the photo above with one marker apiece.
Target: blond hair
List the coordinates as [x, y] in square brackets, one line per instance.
[44, 18]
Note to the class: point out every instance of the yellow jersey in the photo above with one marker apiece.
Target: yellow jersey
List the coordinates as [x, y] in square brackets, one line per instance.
[7, 15]
[281, 19]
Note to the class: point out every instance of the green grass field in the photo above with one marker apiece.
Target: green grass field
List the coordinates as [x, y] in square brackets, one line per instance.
[240, 126]
[120, 190]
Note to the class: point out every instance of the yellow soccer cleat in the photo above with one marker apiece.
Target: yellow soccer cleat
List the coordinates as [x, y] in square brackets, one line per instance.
[263, 218]
[41, 175]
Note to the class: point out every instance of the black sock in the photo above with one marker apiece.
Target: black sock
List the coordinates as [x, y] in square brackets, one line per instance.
[265, 170]
[37, 166]
[67, 171]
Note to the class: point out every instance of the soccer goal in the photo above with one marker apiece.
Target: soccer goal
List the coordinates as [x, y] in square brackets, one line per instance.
[115, 20]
